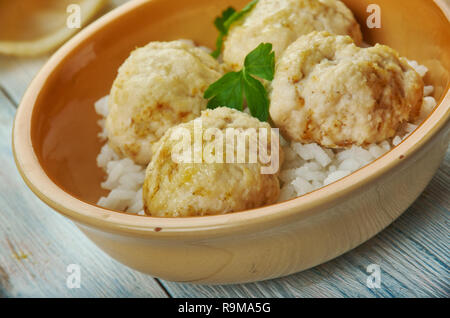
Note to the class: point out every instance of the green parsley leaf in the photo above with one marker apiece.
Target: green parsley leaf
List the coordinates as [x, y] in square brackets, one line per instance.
[239, 15]
[219, 44]
[224, 22]
[226, 91]
[256, 95]
[231, 88]
[261, 62]
[219, 22]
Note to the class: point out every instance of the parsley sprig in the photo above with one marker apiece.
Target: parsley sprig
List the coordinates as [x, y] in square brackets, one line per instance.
[230, 89]
[224, 22]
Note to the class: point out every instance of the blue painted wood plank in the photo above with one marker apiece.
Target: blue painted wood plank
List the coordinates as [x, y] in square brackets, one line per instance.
[37, 244]
[16, 74]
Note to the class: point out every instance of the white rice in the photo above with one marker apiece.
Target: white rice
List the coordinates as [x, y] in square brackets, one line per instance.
[310, 167]
[124, 178]
[307, 167]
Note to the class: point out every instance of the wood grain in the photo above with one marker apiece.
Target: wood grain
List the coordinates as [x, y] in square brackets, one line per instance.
[17, 73]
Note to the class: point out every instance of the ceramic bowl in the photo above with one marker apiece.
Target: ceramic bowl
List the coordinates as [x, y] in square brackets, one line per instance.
[55, 146]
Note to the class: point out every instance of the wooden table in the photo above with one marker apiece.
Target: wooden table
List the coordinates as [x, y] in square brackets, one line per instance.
[37, 244]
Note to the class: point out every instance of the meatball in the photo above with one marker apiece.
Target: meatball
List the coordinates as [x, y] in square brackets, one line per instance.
[281, 22]
[175, 188]
[158, 86]
[329, 91]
